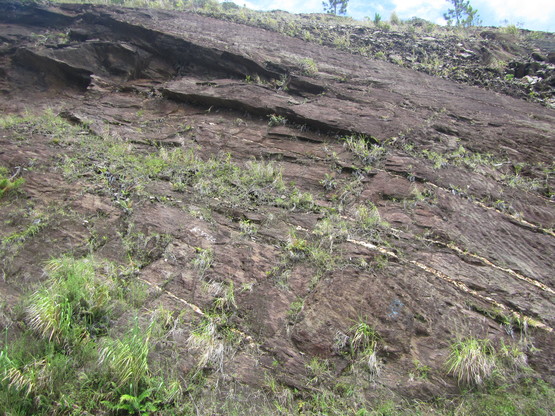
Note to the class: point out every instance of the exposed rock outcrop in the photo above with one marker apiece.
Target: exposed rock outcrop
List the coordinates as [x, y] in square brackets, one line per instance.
[463, 177]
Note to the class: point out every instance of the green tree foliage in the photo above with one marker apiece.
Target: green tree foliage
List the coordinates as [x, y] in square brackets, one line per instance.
[462, 14]
[335, 6]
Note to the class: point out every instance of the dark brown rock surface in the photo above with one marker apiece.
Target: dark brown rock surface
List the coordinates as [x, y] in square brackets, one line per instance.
[463, 176]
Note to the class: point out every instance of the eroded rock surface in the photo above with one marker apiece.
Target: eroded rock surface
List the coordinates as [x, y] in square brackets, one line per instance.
[512, 61]
[463, 177]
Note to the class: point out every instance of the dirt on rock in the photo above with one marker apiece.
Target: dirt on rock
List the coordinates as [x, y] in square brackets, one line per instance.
[462, 179]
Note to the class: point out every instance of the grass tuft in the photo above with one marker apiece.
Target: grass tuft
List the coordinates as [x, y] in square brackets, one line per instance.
[472, 361]
[73, 304]
[8, 184]
[127, 359]
[206, 340]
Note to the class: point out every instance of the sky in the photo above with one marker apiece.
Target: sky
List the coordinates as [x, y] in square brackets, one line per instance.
[531, 14]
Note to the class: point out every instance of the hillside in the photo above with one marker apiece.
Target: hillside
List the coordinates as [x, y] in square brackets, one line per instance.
[205, 217]
[512, 61]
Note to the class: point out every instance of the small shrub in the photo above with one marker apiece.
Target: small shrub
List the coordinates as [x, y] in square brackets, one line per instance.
[513, 358]
[364, 337]
[319, 371]
[130, 404]
[259, 174]
[229, 5]
[333, 227]
[300, 200]
[323, 258]
[368, 218]
[295, 308]
[18, 238]
[420, 371]
[143, 248]
[511, 30]
[439, 160]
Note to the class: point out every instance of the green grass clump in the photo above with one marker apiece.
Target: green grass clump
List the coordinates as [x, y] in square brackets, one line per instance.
[48, 124]
[73, 305]
[32, 373]
[16, 239]
[42, 371]
[368, 220]
[213, 340]
[308, 66]
[362, 147]
[127, 172]
[127, 360]
[530, 397]
[364, 345]
[8, 185]
[472, 361]
[477, 362]
[276, 120]
[68, 359]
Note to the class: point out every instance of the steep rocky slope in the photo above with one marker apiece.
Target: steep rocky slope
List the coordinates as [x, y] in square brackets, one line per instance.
[512, 61]
[322, 189]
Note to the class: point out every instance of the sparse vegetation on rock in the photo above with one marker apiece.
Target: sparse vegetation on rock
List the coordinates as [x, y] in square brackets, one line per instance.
[10, 184]
[261, 218]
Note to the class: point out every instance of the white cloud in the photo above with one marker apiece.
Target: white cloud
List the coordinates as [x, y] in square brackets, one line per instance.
[424, 9]
[308, 5]
[293, 6]
[533, 13]
[247, 4]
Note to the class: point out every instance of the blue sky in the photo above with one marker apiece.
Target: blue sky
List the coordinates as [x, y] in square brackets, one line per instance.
[531, 14]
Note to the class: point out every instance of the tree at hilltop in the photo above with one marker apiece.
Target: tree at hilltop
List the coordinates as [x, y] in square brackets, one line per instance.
[335, 6]
[462, 14]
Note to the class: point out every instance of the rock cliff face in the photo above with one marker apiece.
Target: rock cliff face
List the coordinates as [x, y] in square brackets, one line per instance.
[324, 188]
